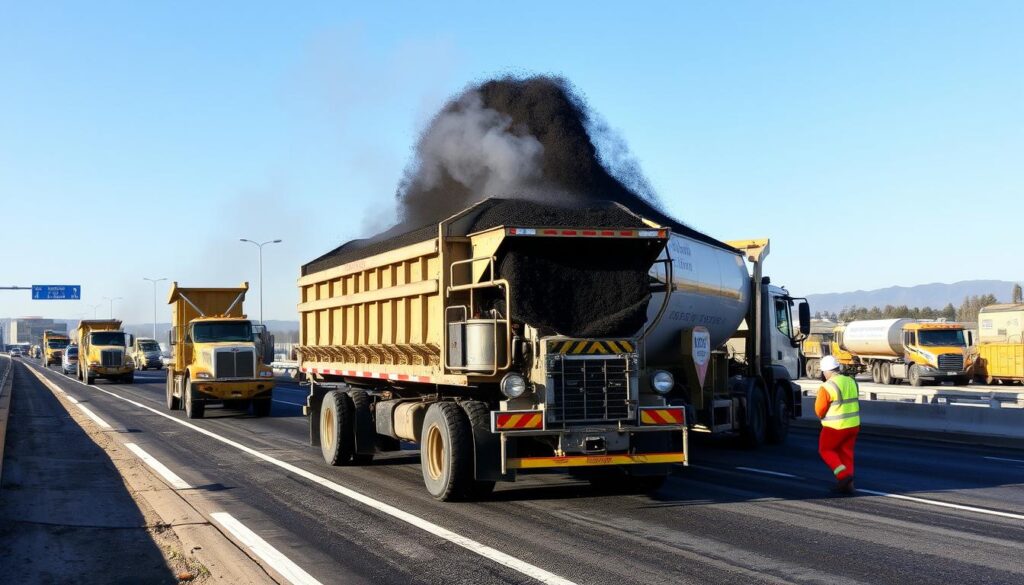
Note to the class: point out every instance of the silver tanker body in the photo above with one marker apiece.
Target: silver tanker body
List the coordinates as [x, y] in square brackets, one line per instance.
[710, 288]
[881, 337]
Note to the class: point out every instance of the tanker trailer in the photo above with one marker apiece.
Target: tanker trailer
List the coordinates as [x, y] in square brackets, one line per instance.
[730, 377]
[893, 350]
[503, 340]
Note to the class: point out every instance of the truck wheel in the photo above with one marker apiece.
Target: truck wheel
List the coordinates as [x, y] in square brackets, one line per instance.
[479, 415]
[756, 419]
[915, 376]
[778, 422]
[130, 378]
[885, 373]
[361, 417]
[812, 368]
[261, 407]
[876, 375]
[193, 408]
[961, 380]
[89, 378]
[336, 428]
[173, 403]
[446, 452]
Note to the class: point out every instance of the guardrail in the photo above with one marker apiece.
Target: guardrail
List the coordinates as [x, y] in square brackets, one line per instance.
[982, 396]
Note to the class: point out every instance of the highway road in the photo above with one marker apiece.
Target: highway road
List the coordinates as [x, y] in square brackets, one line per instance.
[927, 512]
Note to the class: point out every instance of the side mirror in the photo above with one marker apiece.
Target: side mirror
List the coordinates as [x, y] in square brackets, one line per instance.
[804, 312]
[171, 339]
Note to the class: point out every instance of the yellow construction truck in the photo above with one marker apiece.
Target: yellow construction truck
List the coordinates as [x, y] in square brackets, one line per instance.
[53, 347]
[217, 353]
[1001, 344]
[893, 350]
[103, 352]
[515, 336]
[817, 345]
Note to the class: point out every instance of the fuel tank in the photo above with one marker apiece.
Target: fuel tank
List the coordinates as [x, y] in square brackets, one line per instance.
[710, 287]
[882, 337]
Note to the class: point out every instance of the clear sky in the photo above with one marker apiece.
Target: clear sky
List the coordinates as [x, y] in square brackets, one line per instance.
[875, 143]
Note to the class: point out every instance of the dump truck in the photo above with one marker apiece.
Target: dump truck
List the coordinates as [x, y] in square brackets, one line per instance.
[1000, 344]
[53, 346]
[817, 345]
[515, 336]
[103, 351]
[893, 350]
[146, 354]
[217, 353]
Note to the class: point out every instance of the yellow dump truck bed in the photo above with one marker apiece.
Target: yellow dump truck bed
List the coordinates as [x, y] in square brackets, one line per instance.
[1001, 361]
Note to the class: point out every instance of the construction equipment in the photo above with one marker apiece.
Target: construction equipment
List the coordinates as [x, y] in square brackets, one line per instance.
[816, 346]
[893, 350]
[103, 351]
[53, 347]
[218, 354]
[513, 336]
[1000, 344]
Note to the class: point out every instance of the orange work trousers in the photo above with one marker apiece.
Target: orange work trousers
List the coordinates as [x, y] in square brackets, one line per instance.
[836, 449]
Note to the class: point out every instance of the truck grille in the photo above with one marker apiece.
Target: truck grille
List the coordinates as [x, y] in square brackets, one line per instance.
[951, 362]
[589, 390]
[111, 357]
[231, 363]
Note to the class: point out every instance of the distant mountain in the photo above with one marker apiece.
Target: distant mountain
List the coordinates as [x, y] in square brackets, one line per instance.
[935, 295]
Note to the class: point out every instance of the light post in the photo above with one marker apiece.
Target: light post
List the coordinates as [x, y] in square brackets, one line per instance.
[260, 246]
[112, 299]
[154, 281]
[95, 308]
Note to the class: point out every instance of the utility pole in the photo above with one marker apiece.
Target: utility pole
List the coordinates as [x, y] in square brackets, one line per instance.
[154, 281]
[260, 246]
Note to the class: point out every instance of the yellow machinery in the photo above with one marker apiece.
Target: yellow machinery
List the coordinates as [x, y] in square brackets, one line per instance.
[103, 352]
[218, 354]
[1001, 344]
[892, 350]
[53, 347]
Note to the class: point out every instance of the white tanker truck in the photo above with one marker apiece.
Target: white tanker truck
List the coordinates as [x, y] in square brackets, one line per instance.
[893, 350]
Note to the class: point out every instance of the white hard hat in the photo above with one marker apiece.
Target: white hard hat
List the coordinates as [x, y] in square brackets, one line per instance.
[829, 363]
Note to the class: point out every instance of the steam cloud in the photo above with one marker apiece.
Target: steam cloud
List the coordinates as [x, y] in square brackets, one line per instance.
[531, 138]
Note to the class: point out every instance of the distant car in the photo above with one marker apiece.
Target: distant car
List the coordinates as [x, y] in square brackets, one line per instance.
[69, 362]
[15, 353]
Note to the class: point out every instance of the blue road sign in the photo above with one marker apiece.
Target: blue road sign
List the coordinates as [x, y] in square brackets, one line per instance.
[56, 292]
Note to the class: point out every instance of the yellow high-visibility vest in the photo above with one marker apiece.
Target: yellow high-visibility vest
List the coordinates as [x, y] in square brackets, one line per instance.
[844, 411]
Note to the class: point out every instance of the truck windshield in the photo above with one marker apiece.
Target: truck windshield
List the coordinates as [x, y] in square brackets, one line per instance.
[72, 352]
[221, 331]
[57, 343]
[149, 346]
[951, 337]
[107, 338]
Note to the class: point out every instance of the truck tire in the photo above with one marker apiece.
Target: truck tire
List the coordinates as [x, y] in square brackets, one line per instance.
[336, 428]
[961, 380]
[446, 452]
[261, 407]
[89, 378]
[778, 422]
[362, 417]
[193, 408]
[173, 403]
[756, 419]
[812, 368]
[130, 378]
[915, 376]
[479, 415]
[885, 373]
[876, 374]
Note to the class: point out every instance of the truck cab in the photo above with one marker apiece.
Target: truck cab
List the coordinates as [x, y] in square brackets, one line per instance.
[218, 354]
[53, 347]
[146, 354]
[103, 352]
[937, 352]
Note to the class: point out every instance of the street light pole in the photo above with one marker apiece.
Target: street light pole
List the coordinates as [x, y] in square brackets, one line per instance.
[260, 246]
[95, 308]
[154, 281]
[112, 299]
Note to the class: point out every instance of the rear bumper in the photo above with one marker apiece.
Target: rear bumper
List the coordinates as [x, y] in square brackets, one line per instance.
[594, 460]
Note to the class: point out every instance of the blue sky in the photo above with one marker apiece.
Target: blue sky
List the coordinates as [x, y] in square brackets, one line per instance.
[875, 143]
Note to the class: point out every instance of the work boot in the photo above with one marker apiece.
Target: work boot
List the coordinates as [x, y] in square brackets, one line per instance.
[844, 486]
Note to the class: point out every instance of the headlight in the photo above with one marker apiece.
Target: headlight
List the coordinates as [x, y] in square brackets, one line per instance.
[204, 375]
[513, 385]
[94, 363]
[662, 382]
[266, 374]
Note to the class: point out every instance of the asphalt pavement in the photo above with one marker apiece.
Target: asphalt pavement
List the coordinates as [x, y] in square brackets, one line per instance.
[927, 511]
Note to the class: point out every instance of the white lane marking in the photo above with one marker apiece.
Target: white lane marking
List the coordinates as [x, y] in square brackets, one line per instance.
[766, 472]
[171, 477]
[102, 423]
[1005, 459]
[944, 504]
[286, 402]
[261, 548]
[483, 550]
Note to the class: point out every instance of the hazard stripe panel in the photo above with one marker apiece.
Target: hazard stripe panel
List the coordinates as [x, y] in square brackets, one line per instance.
[594, 460]
[586, 232]
[662, 416]
[523, 420]
[591, 347]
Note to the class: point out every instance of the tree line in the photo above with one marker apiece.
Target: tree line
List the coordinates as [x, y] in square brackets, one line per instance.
[967, 312]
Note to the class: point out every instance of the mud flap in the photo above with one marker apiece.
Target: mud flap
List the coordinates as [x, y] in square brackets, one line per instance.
[365, 428]
[313, 403]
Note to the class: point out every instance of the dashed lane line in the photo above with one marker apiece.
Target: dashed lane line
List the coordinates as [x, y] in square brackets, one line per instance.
[1005, 459]
[944, 504]
[469, 544]
[768, 472]
[172, 478]
[261, 548]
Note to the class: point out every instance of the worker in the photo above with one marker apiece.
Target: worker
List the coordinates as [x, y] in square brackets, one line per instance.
[838, 407]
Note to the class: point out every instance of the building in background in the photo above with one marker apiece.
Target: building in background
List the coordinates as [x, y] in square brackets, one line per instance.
[30, 330]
